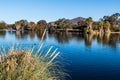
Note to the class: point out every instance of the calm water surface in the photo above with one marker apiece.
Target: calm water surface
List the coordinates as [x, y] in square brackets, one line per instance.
[85, 57]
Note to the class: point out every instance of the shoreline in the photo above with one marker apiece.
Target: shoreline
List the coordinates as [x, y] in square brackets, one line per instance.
[115, 32]
[61, 30]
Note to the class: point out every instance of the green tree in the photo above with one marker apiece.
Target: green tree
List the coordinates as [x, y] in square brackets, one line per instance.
[17, 25]
[95, 26]
[31, 26]
[52, 26]
[106, 27]
[20, 25]
[89, 22]
[100, 26]
[10, 26]
[63, 23]
[41, 25]
[81, 23]
[113, 19]
[2, 25]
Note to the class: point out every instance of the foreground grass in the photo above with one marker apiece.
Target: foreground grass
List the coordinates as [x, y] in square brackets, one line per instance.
[23, 65]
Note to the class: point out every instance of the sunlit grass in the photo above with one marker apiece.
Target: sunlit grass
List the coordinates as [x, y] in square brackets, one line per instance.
[18, 64]
[23, 65]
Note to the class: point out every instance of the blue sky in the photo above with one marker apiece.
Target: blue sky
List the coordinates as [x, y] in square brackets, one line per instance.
[51, 10]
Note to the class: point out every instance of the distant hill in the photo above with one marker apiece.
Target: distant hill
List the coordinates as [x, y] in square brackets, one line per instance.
[75, 20]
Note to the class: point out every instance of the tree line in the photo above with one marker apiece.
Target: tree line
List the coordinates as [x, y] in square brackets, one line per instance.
[105, 24]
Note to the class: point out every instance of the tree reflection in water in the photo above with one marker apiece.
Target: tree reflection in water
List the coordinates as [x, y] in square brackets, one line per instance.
[39, 34]
[104, 39]
[2, 34]
[66, 37]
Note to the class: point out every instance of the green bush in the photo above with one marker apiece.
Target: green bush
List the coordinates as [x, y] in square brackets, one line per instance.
[2, 25]
[116, 29]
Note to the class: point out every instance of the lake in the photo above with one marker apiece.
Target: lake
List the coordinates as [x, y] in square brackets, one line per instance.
[84, 56]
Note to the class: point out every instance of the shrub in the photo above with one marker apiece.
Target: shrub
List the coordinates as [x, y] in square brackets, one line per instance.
[113, 28]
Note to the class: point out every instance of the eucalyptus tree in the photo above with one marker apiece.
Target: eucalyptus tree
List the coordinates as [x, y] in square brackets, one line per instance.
[10, 26]
[100, 26]
[3, 25]
[52, 26]
[60, 23]
[67, 24]
[41, 25]
[81, 24]
[63, 24]
[113, 19]
[23, 24]
[17, 25]
[106, 27]
[31, 26]
[89, 22]
[20, 24]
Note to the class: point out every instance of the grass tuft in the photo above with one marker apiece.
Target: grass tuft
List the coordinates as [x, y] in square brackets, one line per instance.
[23, 65]
[17, 64]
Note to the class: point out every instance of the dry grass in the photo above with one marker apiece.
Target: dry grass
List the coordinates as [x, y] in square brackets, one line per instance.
[24, 65]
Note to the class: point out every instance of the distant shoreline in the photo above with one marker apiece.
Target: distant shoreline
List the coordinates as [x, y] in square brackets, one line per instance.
[61, 30]
[115, 32]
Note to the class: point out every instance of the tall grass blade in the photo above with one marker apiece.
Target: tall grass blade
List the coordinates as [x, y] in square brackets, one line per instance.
[48, 51]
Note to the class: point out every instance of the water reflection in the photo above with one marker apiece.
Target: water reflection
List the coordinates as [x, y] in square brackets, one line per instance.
[114, 39]
[84, 62]
[66, 37]
[61, 37]
[31, 34]
[107, 39]
[18, 34]
[40, 34]
[88, 39]
[26, 34]
[2, 34]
